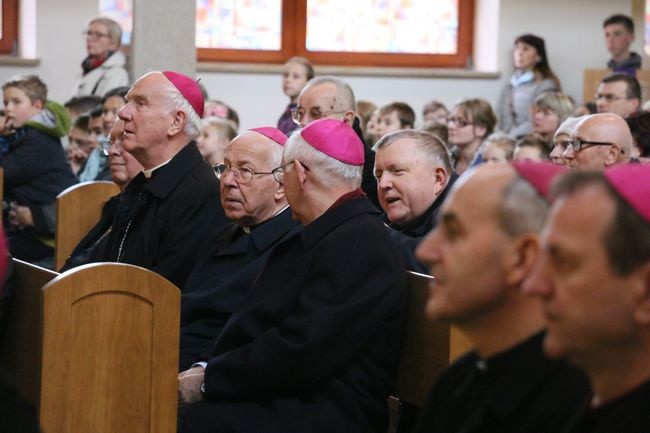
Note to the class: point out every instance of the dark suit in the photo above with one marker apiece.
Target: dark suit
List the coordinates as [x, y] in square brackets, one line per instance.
[314, 348]
[222, 278]
[162, 222]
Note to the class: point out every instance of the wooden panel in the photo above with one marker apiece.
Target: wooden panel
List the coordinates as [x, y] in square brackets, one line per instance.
[110, 351]
[78, 209]
[20, 354]
[427, 348]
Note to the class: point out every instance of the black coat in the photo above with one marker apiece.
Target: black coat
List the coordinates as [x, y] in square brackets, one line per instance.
[161, 222]
[221, 280]
[518, 390]
[626, 414]
[314, 348]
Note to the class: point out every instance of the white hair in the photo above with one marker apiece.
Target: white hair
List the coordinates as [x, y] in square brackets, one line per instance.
[178, 102]
[328, 171]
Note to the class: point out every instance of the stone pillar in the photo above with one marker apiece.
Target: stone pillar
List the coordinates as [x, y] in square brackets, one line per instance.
[163, 37]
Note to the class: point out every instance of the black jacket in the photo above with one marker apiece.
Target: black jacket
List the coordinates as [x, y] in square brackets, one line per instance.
[221, 280]
[518, 390]
[314, 347]
[161, 222]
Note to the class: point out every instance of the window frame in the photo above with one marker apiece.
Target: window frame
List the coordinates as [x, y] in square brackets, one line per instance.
[9, 26]
[294, 32]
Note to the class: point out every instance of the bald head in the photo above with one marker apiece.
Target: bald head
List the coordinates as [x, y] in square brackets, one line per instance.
[605, 141]
[326, 97]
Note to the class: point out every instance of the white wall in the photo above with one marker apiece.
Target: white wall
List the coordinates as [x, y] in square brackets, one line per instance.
[572, 29]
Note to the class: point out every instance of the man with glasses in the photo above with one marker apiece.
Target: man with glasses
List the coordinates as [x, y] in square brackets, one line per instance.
[599, 141]
[103, 69]
[330, 98]
[228, 265]
[619, 94]
[314, 347]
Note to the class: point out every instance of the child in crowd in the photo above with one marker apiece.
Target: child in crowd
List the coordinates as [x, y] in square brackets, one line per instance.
[35, 167]
[531, 147]
[498, 147]
[370, 133]
[215, 135]
[81, 143]
[214, 108]
[434, 113]
[395, 116]
[295, 74]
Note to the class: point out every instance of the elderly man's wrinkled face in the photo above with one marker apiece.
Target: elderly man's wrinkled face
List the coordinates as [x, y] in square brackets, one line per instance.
[587, 306]
[407, 184]
[465, 251]
[597, 137]
[147, 115]
[319, 102]
[251, 202]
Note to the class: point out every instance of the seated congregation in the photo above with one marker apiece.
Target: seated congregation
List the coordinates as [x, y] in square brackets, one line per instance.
[490, 272]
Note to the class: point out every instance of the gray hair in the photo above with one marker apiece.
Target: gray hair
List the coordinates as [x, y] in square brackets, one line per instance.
[178, 102]
[344, 93]
[428, 143]
[327, 170]
[523, 209]
[114, 29]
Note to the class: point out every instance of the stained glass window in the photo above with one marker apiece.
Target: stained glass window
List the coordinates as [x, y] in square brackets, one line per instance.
[383, 26]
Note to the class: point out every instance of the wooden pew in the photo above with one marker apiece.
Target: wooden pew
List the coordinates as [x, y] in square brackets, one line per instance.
[78, 208]
[427, 349]
[109, 351]
[20, 348]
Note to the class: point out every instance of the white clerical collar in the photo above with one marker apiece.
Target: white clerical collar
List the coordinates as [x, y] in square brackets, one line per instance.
[149, 172]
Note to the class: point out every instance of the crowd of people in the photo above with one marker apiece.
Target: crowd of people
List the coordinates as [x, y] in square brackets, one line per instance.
[290, 243]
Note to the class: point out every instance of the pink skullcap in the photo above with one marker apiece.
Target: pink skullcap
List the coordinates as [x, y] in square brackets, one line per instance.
[632, 183]
[273, 133]
[539, 174]
[188, 88]
[334, 138]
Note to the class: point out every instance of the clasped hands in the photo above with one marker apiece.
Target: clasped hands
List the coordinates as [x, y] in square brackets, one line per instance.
[189, 385]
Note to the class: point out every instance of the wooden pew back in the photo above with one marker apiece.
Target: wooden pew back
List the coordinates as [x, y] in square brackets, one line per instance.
[110, 351]
[78, 208]
[20, 352]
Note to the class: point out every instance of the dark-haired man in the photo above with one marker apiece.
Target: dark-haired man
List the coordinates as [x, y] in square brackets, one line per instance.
[594, 283]
[619, 35]
[619, 94]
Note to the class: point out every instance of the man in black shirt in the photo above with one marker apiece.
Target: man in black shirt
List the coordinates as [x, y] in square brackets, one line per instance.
[480, 253]
[594, 283]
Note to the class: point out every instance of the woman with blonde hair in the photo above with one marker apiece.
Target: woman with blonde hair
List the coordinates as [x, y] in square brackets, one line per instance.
[550, 109]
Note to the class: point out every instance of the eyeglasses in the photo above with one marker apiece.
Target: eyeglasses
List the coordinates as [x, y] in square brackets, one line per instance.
[578, 144]
[94, 35]
[243, 175]
[278, 172]
[608, 97]
[461, 123]
[105, 143]
[298, 113]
